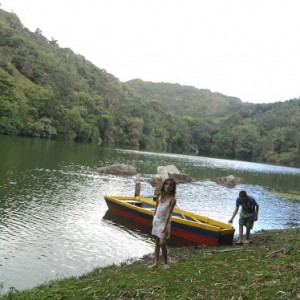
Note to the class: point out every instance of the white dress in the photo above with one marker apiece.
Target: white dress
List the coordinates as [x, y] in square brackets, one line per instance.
[159, 220]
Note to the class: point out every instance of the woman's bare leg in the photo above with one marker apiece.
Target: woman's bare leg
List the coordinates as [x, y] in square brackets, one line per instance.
[164, 250]
[156, 251]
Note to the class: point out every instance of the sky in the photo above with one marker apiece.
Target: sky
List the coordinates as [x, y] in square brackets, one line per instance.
[248, 49]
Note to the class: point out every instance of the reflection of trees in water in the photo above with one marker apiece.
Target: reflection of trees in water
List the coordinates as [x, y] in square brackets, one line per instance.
[279, 178]
[276, 182]
[280, 182]
[129, 226]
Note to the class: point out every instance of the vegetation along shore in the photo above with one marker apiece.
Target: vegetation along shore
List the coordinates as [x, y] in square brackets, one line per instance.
[50, 92]
[268, 268]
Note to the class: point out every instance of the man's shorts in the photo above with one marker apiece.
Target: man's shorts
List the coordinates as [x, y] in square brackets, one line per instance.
[247, 220]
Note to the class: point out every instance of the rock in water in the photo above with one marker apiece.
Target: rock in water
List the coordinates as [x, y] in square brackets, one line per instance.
[118, 169]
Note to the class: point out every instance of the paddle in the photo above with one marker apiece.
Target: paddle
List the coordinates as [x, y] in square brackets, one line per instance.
[179, 209]
[196, 220]
[184, 217]
[182, 214]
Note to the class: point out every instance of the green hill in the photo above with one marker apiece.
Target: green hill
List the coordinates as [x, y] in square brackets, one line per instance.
[187, 100]
[50, 92]
[223, 126]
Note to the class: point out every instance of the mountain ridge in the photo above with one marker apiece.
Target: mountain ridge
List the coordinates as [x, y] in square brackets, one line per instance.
[50, 92]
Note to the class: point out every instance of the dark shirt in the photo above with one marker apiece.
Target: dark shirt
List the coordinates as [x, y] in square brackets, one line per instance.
[248, 206]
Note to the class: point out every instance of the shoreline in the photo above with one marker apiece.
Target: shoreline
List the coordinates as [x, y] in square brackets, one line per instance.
[267, 268]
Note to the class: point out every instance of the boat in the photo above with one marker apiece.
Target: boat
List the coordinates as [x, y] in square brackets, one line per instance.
[186, 226]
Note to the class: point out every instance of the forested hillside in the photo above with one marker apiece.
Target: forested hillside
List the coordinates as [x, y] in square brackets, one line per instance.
[51, 92]
[225, 127]
[186, 100]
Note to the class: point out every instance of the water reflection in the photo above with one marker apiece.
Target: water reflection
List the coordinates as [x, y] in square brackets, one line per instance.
[132, 228]
[53, 217]
[278, 178]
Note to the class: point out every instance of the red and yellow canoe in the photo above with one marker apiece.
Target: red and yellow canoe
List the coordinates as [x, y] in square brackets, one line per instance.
[186, 226]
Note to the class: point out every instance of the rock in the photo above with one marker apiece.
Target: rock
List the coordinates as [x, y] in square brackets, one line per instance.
[118, 169]
[229, 181]
[181, 178]
[282, 295]
[168, 171]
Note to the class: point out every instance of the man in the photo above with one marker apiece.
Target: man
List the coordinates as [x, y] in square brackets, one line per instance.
[248, 215]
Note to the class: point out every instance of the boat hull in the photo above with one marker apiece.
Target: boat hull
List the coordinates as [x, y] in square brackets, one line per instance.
[185, 226]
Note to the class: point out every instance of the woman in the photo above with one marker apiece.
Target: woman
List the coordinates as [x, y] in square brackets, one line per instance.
[161, 226]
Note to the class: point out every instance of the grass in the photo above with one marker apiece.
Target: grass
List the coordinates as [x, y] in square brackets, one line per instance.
[291, 196]
[268, 268]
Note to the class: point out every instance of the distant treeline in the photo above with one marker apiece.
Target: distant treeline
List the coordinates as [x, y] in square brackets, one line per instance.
[50, 92]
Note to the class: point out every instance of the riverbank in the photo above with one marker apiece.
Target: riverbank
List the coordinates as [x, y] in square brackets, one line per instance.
[268, 268]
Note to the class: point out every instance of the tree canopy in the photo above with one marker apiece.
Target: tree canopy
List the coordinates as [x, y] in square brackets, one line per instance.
[50, 92]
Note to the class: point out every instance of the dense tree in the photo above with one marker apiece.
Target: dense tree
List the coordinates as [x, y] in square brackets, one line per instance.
[51, 92]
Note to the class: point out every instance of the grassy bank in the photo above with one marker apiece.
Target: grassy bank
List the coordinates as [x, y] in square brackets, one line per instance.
[268, 268]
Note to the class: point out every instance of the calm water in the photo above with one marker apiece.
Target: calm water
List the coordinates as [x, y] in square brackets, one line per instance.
[53, 218]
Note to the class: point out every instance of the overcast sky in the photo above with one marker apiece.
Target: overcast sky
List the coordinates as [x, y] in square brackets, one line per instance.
[249, 49]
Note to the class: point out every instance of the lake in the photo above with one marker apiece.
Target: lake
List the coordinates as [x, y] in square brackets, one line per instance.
[53, 218]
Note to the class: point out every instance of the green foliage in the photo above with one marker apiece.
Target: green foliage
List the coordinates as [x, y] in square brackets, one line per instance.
[187, 100]
[223, 144]
[268, 268]
[6, 85]
[50, 92]
[10, 122]
[40, 128]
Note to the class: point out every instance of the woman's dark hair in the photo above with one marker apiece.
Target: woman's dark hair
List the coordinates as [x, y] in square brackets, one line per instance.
[173, 182]
[243, 194]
